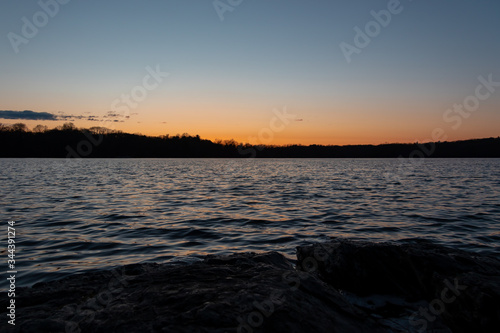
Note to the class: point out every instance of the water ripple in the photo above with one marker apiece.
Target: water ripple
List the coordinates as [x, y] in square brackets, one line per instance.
[83, 215]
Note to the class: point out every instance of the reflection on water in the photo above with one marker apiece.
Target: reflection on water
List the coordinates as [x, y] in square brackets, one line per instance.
[78, 215]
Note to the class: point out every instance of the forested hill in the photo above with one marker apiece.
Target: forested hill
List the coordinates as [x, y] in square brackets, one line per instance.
[101, 143]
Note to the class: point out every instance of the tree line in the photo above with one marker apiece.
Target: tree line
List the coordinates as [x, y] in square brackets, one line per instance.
[99, 142]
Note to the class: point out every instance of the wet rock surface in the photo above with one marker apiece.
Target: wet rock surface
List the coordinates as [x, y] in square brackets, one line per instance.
[339, 286]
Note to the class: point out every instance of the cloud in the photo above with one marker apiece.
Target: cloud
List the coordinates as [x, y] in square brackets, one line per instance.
[27, 115]
[112, 114]
[32, 115]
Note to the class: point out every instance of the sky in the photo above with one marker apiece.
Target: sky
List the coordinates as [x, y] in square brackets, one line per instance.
[259, 71]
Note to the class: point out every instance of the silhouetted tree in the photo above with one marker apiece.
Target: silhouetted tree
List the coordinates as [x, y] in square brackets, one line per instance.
[17, 141]
[69, 127]
[19, 127]
[40, 129]
[100, 130]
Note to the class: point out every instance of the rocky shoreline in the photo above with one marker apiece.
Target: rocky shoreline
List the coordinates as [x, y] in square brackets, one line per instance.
[339, 286]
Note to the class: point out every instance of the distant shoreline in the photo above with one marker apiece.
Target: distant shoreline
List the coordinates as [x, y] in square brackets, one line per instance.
[101, 143]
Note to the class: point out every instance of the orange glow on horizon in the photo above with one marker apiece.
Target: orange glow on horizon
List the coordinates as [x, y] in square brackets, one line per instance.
[348, 123]
[296, 134]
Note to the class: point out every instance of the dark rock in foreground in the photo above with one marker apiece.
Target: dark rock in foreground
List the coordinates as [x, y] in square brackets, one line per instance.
[429, 287]
[340, 286]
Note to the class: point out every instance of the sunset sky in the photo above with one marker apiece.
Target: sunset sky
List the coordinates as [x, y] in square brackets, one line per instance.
[232, 69]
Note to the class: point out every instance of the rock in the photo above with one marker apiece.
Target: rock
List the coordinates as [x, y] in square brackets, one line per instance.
[437, 285]
[237, 293]
[338, 286]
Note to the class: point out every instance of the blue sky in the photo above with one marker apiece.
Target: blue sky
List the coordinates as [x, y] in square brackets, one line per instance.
[226, 77]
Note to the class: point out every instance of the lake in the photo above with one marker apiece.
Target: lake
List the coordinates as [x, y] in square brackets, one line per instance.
[79, 215]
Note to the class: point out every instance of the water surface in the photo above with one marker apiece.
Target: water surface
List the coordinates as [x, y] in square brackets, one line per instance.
[75, 216]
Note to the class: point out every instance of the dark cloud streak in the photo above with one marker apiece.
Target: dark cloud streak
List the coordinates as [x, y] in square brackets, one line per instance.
[32, 115]
[27, 115]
